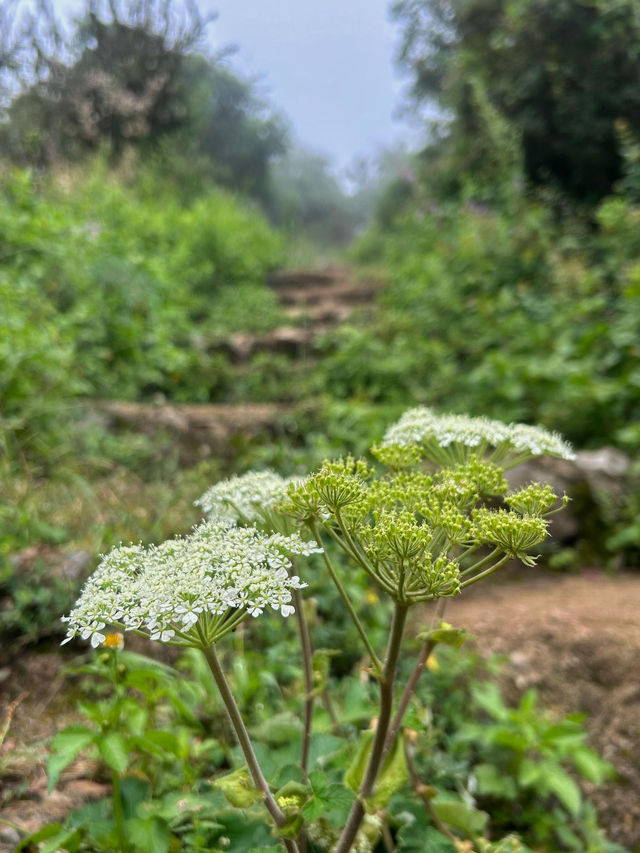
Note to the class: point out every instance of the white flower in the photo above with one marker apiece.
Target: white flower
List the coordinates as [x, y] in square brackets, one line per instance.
[511, 443]
[245, 498]
[190, 590]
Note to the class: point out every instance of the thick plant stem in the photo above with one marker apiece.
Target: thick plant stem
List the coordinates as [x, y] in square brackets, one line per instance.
[414, 678]
[307, 663]
[245, 743]
[377, 664]
[374, 764]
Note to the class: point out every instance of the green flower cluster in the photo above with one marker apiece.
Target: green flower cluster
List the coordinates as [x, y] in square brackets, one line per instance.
[415, 532]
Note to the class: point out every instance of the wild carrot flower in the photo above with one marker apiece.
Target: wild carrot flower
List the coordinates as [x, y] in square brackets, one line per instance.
[191, 590]
[244, 499]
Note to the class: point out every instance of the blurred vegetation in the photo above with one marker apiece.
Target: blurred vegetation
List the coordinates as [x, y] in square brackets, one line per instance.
[147, 191]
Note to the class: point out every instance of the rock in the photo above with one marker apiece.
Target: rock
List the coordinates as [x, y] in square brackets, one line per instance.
[9, 835]
[594, 479]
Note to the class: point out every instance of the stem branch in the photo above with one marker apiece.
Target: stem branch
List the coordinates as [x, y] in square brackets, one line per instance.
[377, 664]
[245, 743]
[307, 663]
[374, 764]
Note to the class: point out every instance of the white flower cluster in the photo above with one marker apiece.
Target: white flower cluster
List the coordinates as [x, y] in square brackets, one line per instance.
[244, 498]
[210, 580]
[421, 425]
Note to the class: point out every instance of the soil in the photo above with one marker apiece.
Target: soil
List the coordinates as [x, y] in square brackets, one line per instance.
[576, 639]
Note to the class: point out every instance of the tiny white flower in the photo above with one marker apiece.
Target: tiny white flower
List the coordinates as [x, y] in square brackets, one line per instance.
[244, 498]
[162, 591]
[511, 442]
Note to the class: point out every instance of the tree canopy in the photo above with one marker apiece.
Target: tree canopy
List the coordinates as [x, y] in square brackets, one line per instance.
[563, 73]
[130, 75]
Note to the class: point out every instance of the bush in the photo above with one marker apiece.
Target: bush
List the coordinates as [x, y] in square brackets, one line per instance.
[506, 311]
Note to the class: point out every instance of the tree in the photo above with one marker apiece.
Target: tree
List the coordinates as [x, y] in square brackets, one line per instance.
[117, 80]
[561, 72]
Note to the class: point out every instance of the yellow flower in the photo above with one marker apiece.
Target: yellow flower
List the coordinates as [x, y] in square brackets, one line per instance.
[114, 641]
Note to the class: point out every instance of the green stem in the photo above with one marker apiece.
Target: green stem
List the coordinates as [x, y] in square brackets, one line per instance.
[480, 563]
[487, 572]
[245, 743]
[374, 764]
[377, 663]
[422, 791]
[414, 678]
[355, 549]
[118, 817]
[307, 664]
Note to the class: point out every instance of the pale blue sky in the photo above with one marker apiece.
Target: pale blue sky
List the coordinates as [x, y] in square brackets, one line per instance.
[327, 64]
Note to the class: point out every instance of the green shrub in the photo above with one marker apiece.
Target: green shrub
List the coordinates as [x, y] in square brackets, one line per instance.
[506, 311]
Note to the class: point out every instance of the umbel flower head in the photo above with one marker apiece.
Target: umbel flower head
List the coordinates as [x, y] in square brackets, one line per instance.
[450, 439]
[245, 499]
[192, 590]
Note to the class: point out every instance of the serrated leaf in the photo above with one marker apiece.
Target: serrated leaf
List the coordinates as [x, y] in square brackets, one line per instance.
[318, 782]
[66, 746]
[558, 782]
[589, 764]
[113, 748]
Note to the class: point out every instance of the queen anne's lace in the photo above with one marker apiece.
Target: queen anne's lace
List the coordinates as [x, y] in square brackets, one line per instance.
[421, 426]
[244, 499]
[188, 588]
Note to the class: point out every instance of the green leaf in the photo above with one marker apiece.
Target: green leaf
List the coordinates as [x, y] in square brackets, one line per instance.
[495, 782]
[445, 634]
[133, 792]
[326, 797]
[151, 835]
[56, 837]
[487, 696]
[589, 764]
[414, 837]
[238, 788]
[66, 746]
[67, 839]
[48, 831]
[113, 748]
[562, 785]
[529, 773]
[277, 729]
[355, 771]
[392, 777]
[318, 782]
[460, 816]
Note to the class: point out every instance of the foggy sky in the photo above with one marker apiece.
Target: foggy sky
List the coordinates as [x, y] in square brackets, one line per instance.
[326, 64]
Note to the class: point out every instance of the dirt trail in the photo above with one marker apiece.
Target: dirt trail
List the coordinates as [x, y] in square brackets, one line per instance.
[314, 301]
[576, 640]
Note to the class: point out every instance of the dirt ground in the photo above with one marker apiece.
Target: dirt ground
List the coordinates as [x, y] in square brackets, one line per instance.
[576, 639]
